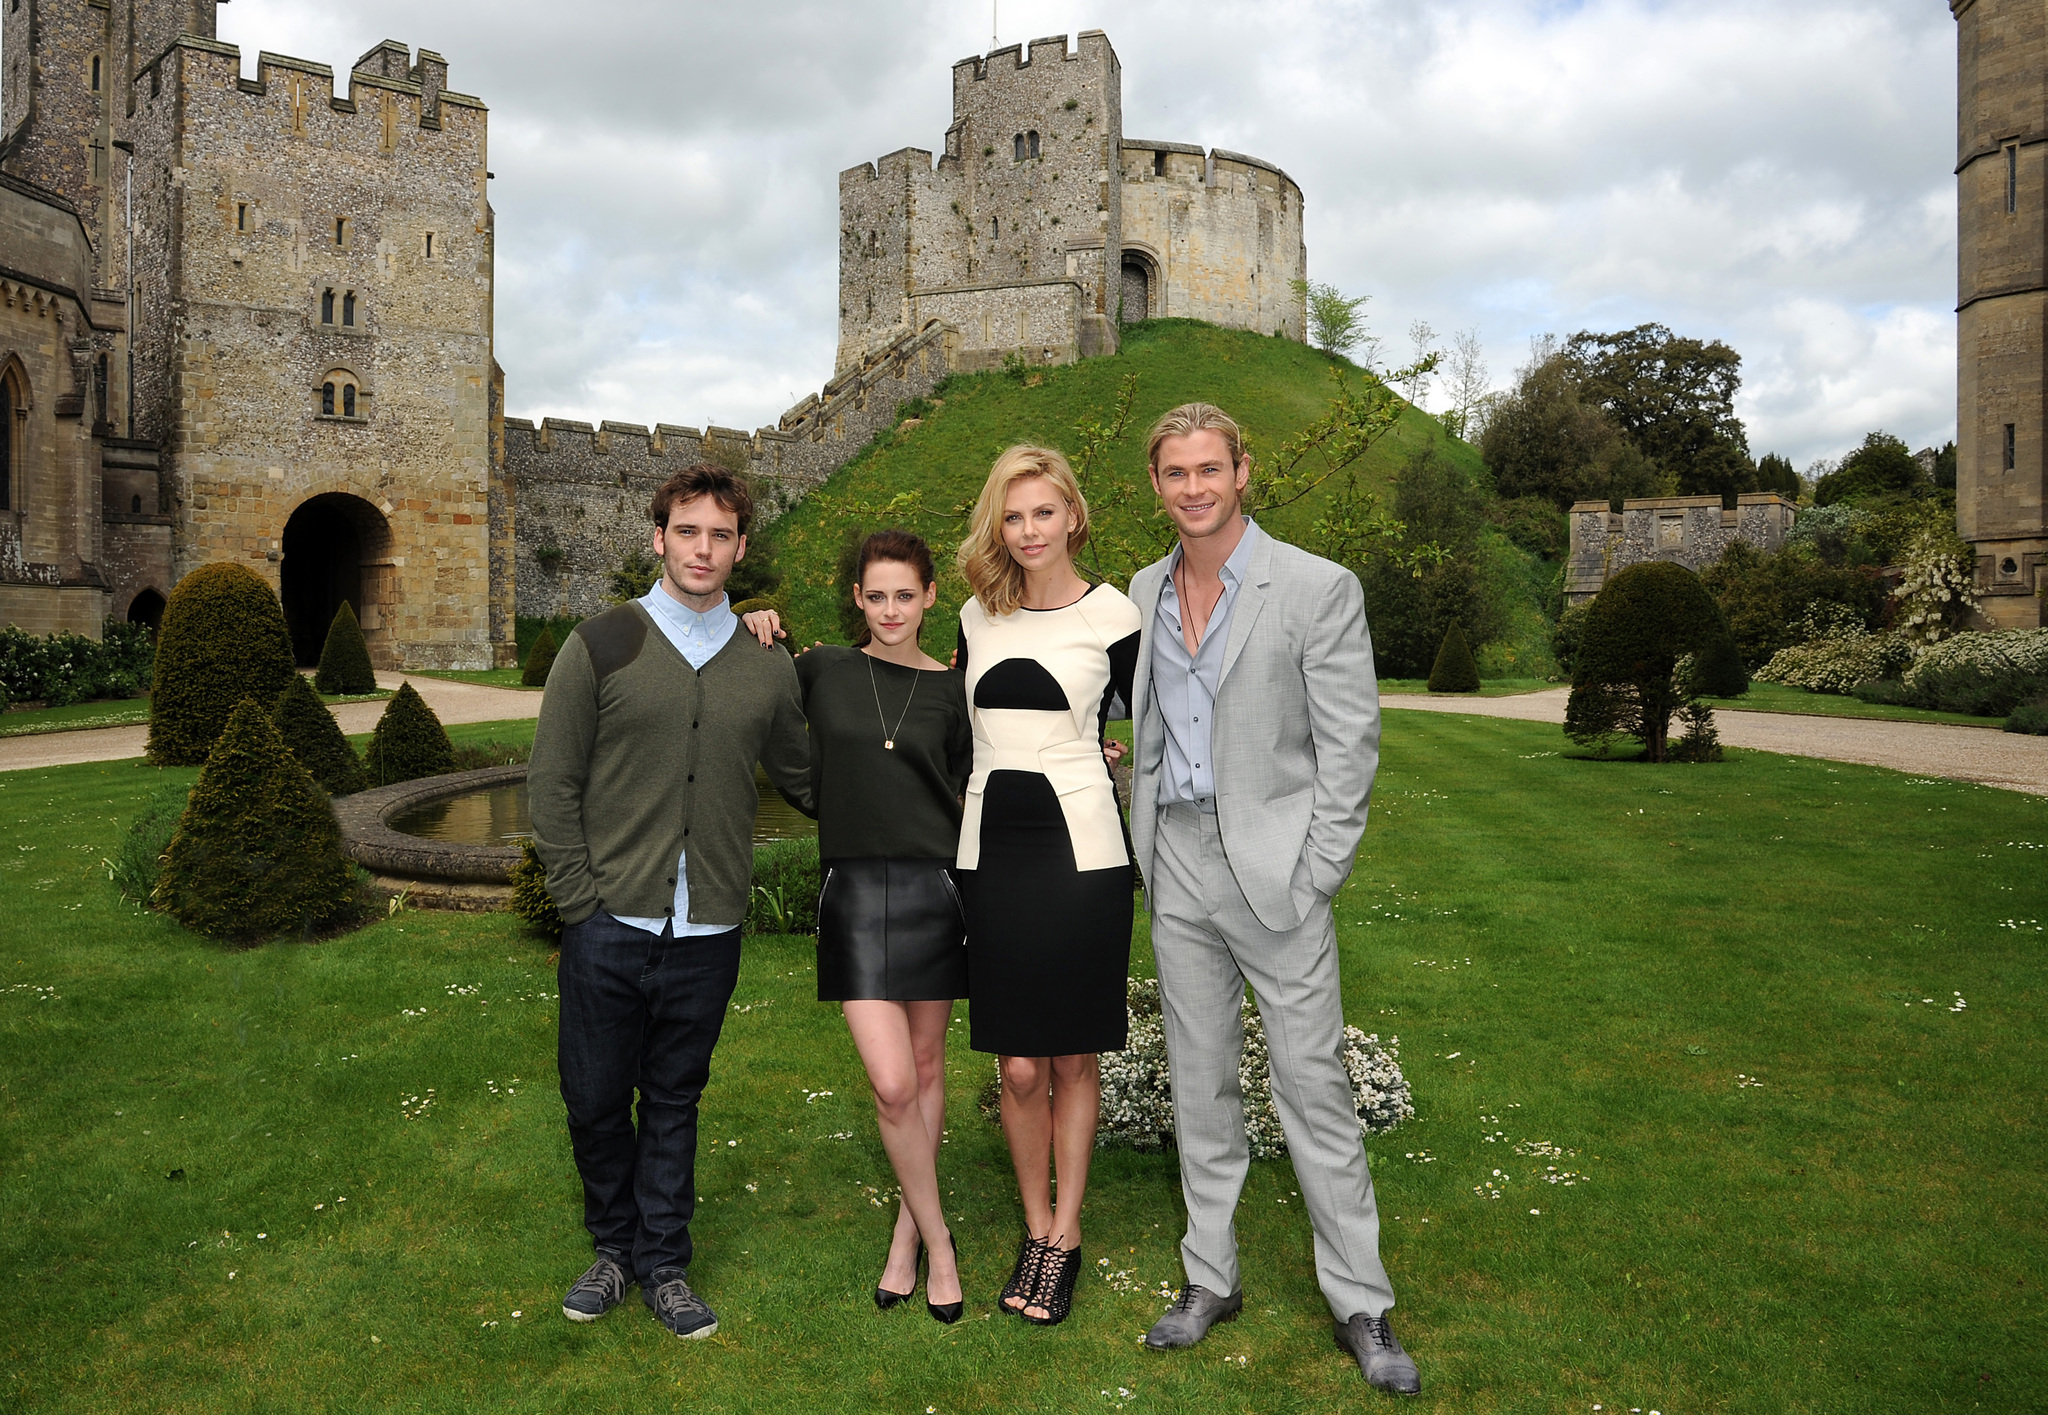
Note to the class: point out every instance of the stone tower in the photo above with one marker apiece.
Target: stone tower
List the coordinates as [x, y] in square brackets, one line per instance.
[2002, 301]
[1041, 228]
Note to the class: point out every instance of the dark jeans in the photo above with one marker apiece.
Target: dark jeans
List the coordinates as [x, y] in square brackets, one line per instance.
[640, 1010]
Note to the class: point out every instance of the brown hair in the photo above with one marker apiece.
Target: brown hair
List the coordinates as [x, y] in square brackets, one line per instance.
[727, 488]
[991, 571]
[901, 547]
[1191, 418]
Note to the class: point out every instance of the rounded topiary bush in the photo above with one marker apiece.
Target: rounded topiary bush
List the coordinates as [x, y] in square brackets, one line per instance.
[1717, 670]
[315, 738]
[257, 852]
[409, 741]
[539, 659]
[530, 898]
[1625, 674]
[223, 639]
[345, 657]
[1455, 670]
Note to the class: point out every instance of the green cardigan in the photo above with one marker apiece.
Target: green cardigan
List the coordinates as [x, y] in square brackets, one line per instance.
[639, 758]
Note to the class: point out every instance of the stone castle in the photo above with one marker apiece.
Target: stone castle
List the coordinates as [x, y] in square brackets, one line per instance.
[2002, 303]
[252, 319]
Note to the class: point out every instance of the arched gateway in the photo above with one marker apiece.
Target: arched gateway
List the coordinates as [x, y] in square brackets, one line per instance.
[333, 544]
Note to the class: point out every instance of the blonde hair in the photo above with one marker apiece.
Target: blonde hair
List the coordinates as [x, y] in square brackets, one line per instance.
[1190, 418]
[990, 570]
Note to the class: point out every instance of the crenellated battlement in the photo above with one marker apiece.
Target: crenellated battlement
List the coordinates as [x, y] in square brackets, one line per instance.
[418, 86]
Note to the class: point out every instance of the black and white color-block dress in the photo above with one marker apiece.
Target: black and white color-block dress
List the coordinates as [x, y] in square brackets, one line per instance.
[1044, 862]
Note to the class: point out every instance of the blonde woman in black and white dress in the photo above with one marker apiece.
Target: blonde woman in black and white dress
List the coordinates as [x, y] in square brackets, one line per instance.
[1043, 862]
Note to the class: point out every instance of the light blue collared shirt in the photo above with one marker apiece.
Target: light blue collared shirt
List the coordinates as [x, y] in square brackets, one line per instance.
[1186, 684]
[698, 638]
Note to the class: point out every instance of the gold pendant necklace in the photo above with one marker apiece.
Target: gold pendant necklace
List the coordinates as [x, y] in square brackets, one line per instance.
[888, 737]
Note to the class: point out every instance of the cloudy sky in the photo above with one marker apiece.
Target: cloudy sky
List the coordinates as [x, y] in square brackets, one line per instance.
[1775, 175]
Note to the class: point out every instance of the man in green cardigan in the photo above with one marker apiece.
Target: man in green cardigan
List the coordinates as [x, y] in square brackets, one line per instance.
[643, 800]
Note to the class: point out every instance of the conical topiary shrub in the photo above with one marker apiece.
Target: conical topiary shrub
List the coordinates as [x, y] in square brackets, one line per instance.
[1717, 670]
[314, 737]
[223, 639]
[345, 658]
[1454, 670]
[539, 659]
[409, 742]
[257, 852]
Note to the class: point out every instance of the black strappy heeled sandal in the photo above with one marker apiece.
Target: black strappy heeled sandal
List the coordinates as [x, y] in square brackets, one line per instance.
[1054, 1290]
[885, 1299]
[1024, 1277]
[947, 1312]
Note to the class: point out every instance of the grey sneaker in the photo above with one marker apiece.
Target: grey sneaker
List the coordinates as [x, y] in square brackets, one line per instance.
[676, 1307]
[1381, 1360]
[600, 1289]
[1188, 1320]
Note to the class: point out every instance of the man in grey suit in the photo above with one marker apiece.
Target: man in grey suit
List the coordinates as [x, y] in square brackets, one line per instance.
[1257, 728]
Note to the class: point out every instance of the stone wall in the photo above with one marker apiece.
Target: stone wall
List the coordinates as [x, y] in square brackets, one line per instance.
[582, 492]
[295, 238]
[1692, 531]
[1218, 235]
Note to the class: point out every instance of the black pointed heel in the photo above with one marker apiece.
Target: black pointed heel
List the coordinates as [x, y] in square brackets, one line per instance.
[885, 1299]
[947, 1312]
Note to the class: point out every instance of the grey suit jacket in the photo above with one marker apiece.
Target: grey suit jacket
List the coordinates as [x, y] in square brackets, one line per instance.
[1297, 729]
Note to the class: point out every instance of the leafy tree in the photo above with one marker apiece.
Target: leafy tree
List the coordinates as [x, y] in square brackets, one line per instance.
[1455, 670]
[1533, 524]
[1625, 677]
[223, 639]
[1767, 597]
[530, 898]
[539, 659]
[1674, 398]
[315, 738]
[1945, 466]
[1468, 384]
[409, 741]
[1775, 473]
[257, 852]
[1336, 325]
[634, 576]
[345, 657]
[1881, 468]
[1544, 438]
[1413, 599]
[1717, 671]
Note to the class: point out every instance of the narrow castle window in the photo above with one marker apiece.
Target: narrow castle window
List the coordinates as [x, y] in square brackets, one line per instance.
[995, 228]
[327, 307]
[6, 444]
[1159, 164]
[327, 398]
[241, 216]
[430, 245]
[1017, 150]
[348, 400]
[348, 309]
[2012, 177]
[341, 230]
[135, 504]
[95, 73]
[1031, 139]
[2011, 447]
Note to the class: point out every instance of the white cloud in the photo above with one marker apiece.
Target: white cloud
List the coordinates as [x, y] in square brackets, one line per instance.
[1777, 176]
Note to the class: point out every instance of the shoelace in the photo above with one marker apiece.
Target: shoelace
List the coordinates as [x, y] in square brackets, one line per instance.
[608, 1282]
[1184, 1300]
[1382, 1331]
[676, 1293]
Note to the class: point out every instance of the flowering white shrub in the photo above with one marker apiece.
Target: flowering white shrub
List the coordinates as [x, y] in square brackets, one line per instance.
[1137, 1090]
[1837, 662]
[1995, 652]
[1938, 590]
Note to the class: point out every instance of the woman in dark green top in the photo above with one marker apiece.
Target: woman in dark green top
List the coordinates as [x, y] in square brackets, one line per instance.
[891, 750]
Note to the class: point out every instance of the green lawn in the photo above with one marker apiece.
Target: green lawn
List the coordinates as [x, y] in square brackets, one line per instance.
[326, 1177]
[1488, 688]
[117, 712]
[1776, 697]
[488, 677]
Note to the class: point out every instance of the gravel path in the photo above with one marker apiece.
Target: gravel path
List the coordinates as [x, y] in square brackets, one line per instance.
[1979, 754]
[452, 701]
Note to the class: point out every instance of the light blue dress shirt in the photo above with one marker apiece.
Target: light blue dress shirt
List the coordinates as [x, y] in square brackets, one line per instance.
[698, 638]
[1185, 684]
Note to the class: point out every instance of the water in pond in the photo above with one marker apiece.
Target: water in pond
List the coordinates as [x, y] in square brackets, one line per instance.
[500, 817]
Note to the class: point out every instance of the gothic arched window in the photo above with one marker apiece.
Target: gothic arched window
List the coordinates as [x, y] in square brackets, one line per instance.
[341, 396]
[10, 399]
[1019, 149]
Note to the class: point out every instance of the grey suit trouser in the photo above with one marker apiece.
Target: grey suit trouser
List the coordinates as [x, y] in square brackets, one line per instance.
[1208, 943]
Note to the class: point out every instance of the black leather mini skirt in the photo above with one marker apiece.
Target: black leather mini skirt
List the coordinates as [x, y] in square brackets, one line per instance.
[890, 930]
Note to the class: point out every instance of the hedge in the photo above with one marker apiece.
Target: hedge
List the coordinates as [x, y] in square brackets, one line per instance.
[345, 657]
[409, 741]
[62, 668]
[315, 738]
[539, 659]
[1454, 670]
[223, 640]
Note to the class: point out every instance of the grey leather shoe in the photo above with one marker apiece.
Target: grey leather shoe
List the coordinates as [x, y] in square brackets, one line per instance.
[1381, 1360]
[597, 1291]
[1187, 1321]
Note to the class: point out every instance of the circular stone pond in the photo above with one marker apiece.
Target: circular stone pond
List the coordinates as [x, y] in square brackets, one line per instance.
[449, 842]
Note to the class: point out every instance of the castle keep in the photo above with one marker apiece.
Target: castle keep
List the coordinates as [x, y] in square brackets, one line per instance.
[286, 358]
[2002, 302]
[1041, 228]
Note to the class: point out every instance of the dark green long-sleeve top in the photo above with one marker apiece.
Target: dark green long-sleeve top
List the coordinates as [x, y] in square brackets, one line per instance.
[872, 801]
[640, 759]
